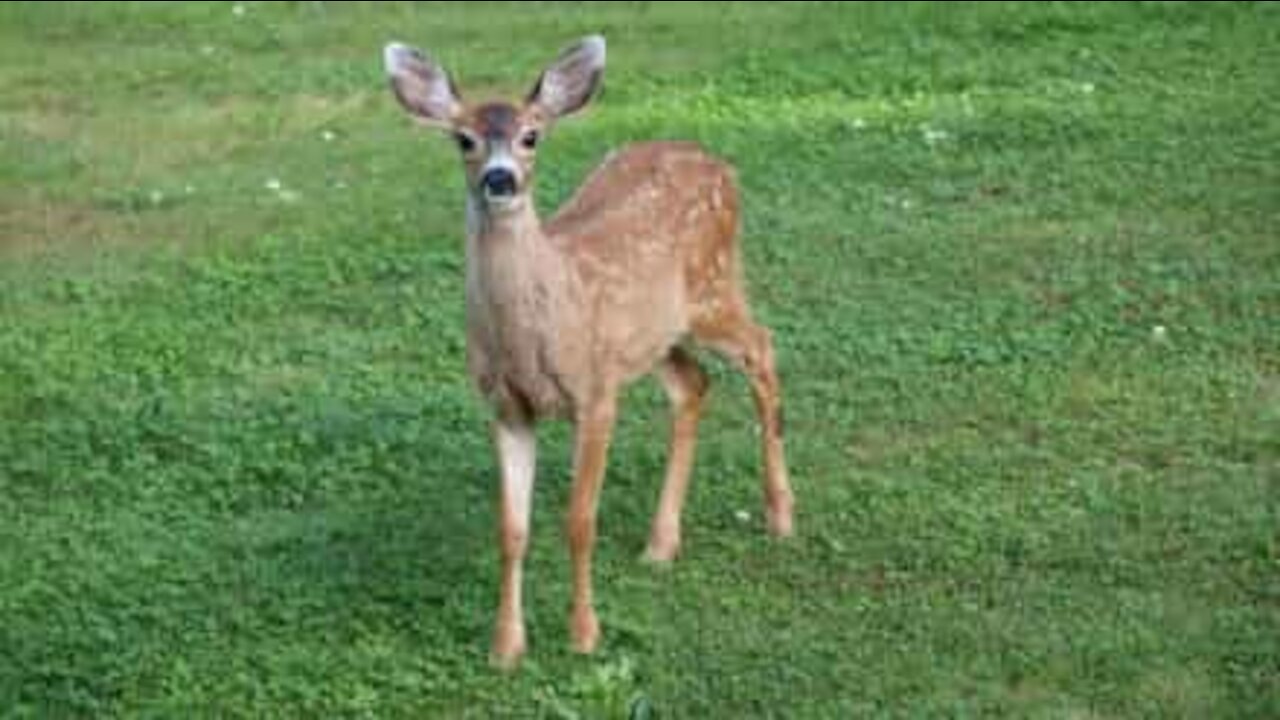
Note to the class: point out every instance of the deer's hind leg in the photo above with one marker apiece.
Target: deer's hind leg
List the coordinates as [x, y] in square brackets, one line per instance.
[686, 384]
[749, 345]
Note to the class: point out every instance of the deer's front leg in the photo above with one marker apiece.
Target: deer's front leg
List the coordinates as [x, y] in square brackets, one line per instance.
[594, 427]
[515, 444]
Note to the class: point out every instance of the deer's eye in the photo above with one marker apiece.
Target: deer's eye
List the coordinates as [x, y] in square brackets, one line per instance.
[529, 140]
[466, 143]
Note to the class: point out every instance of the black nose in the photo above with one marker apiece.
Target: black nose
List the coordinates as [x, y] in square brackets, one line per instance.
[499, 182]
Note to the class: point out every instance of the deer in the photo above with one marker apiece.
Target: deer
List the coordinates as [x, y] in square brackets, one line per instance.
[637, 268]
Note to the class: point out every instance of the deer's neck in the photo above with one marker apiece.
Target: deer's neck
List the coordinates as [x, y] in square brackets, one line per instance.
[516, 279]
[517, 290]
[507, 253]
[519, 222]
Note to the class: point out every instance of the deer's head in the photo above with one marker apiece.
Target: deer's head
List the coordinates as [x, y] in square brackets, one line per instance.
[498, 141]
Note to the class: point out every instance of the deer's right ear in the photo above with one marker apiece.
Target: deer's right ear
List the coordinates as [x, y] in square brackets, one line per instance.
[421, 85]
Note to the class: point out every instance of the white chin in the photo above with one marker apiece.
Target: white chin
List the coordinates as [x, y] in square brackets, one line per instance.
[501, 203]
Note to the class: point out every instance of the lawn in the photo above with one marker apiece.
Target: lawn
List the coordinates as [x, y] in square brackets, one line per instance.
[1022, 268]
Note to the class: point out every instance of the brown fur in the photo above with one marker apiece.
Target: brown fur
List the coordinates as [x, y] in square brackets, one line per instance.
[562, 315]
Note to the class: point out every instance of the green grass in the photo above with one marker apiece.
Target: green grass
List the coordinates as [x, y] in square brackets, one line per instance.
[242, 472]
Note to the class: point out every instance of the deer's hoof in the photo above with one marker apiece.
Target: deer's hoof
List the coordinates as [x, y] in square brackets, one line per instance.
[585, 629]
[661, 551]
[778, 517]
[508, 647]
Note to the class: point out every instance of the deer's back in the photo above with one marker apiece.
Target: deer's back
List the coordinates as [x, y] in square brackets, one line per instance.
[652, 236]
[652, 210]
[660, 191]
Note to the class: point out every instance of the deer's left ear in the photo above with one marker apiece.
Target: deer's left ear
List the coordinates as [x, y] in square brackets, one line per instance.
[573, 80]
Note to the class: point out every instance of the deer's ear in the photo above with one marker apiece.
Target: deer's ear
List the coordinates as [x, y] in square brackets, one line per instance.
[421, 85]
[572, 80]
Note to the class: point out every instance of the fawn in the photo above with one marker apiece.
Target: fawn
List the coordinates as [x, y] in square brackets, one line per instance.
[562, 314]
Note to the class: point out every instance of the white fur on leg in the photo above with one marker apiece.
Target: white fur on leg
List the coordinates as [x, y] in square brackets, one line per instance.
[517, 452]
